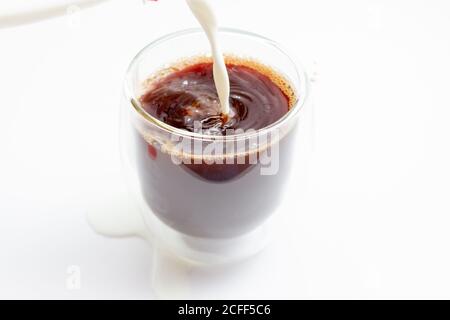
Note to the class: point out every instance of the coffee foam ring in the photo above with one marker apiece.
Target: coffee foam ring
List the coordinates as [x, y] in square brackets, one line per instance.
[276, 77]
[170, 147]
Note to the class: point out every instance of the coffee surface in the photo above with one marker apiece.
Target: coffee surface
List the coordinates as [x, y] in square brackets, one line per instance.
[188, 96]
[219, 199]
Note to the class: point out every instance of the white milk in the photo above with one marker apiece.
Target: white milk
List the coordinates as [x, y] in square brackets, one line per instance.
[205, 15]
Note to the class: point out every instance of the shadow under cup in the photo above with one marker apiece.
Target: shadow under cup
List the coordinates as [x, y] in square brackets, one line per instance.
[204, 186]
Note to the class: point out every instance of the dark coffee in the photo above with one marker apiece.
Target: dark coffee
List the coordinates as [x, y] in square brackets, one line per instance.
[214, 200]
[190, 95]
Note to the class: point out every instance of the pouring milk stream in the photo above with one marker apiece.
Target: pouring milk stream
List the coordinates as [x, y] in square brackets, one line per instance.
[201, 9]
[204, 13]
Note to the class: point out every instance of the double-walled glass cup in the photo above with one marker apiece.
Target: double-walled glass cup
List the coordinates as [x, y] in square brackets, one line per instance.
[203, 196]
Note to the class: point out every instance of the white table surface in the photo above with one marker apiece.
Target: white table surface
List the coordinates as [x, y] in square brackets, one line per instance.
[367, 217]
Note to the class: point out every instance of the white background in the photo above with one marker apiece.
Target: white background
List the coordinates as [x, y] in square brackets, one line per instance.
[368, 218]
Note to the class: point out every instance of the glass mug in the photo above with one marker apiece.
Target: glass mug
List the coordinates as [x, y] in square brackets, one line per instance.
[206, 198]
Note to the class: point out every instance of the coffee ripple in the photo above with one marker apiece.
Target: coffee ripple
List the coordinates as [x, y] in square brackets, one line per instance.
[189, 95]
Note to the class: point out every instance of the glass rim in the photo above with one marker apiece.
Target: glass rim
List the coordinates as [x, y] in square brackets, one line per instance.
[302, 92]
